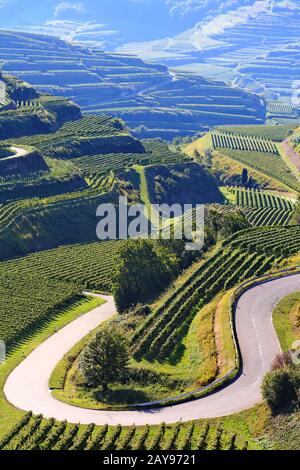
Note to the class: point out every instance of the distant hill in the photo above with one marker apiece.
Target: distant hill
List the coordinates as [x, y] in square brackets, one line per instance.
[153, 101]
[253, 43]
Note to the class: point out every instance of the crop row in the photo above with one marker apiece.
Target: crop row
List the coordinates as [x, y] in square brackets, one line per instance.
[10, 210]
[265, 217]
[88, 126]
[274, 133]
[246, 255]
[263, 208]
[35, 433]
[229, 140]
[102, 164]
[31, 287]
[90, 265]
[26, 300]
[281, 109]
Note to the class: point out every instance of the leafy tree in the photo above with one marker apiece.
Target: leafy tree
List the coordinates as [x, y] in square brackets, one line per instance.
[244, 177]
[145, 268]
[278, 388]
[220, 223]
[105, 359]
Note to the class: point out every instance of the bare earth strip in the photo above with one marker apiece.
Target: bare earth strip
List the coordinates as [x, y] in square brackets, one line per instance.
[27, 386]
[290, 153]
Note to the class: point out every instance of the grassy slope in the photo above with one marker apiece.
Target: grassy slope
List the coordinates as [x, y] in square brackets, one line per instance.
[51, 226]
[286, 320]
[181, 184]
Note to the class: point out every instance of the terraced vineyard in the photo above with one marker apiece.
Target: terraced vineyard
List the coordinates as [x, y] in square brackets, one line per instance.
[274, 133]
[230, 140]
[157, 152]
[93, 268]
[143, 94]
[10, 210]
[35, 433]
[281, 109]
[247, 254]
[268, 164]
[86, 127]
[99, 170]
[263, 208]
[30, 301]
[91, 126]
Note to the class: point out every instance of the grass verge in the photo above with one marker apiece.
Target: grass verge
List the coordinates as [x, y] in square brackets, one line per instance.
[286, 319]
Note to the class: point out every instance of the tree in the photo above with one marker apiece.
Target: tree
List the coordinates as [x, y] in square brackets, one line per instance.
[220, 223]
[105, 359]
[144, 269]
[278, 388]
[244, 177]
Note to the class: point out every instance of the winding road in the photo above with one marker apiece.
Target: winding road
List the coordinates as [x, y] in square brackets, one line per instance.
[27, 386]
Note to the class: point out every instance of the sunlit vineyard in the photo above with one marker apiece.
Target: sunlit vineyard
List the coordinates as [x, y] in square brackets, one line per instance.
[88, 126]
[90, 265]
[268, 164]
[247, 254]
[277, 108]
[35, 433]
[156, 153]
[25, 300]
[263, 208]
[233, 141]
[274, 133]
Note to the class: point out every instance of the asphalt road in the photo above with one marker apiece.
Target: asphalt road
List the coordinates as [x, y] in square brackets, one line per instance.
[27, 385]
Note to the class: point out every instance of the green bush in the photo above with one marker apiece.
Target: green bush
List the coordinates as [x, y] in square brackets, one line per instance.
[279, 388]
[105, 358]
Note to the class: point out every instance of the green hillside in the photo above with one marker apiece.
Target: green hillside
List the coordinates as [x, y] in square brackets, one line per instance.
[181, 184]
[172, 325]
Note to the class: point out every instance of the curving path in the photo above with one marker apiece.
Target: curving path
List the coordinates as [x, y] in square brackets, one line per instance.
[27, 386]
[17, 152]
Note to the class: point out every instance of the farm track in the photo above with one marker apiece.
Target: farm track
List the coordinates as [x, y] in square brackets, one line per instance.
[27, 386]
[291, 155]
